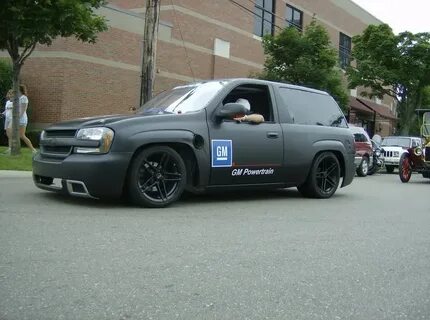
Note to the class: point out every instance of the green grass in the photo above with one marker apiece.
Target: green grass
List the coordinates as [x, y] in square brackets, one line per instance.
[21, 162]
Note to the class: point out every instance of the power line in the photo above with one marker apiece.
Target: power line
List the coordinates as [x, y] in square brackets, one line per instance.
[183, 42]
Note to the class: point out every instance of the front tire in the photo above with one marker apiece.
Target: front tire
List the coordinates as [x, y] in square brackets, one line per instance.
[405, 170]
[157, 177]
[324, 177]
[363, 168]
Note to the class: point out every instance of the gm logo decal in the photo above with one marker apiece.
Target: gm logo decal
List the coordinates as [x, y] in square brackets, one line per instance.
[222, 153]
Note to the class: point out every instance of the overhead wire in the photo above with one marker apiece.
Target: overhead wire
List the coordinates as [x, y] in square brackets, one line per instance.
[183, 42]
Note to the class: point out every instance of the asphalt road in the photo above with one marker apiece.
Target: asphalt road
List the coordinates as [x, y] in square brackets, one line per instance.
[363, 254]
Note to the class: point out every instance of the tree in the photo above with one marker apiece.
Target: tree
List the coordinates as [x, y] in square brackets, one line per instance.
[5, 77]
[394, 65]
[306, 59]
[26, 23]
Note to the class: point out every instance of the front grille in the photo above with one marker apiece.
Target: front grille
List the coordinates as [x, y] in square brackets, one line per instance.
[388, 154]
[59, 149]
[60, 133]
[57, 144]
[427, 151]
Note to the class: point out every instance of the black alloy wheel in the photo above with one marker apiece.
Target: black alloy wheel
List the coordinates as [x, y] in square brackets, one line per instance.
[157, 177]
[324, 177]
[405, 170]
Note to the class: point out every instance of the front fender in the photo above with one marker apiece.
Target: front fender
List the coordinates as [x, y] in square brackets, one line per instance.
[177, 139]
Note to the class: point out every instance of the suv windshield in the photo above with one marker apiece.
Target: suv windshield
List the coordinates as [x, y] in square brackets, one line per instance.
[183, 99]
[398, 142]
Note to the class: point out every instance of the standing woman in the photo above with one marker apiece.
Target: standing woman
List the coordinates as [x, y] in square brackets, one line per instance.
[23, 119]
[8, 117]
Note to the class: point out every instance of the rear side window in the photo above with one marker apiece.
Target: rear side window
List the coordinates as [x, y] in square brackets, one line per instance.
[312, 108]
[359, 137]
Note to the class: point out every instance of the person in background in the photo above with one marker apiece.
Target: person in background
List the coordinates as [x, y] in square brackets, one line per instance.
[7, 113]
[253, 117]
[23, 118]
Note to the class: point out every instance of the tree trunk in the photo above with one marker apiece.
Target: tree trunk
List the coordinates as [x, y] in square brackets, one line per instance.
[15, 140]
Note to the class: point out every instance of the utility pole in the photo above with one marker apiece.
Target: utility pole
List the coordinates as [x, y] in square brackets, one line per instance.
[150, 37]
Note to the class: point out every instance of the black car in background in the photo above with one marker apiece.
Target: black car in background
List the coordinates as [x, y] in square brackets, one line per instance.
[186, 139]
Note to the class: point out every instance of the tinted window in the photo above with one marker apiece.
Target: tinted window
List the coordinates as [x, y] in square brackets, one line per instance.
[359, 137]
[312, 108]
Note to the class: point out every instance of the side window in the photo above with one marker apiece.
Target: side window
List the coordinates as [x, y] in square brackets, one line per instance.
[258, 97]
[312, 108]
[359, 137]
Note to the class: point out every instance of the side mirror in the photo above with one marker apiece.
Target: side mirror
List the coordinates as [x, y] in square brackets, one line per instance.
[229, 110]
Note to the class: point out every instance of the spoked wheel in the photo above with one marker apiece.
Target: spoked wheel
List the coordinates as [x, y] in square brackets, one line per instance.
[323, 178]
[157, 177]
[405, 170]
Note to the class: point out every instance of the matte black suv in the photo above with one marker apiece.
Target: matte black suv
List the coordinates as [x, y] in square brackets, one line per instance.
[185, 139]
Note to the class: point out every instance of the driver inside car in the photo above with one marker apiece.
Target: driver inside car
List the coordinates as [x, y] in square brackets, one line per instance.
[248, 117]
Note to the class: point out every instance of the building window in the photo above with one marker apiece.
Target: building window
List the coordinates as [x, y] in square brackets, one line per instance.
[344, 50]
[264, 17]
[294, 17]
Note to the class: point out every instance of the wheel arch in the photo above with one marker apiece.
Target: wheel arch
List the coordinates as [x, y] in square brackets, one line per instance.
[341, 153]
[189, 146]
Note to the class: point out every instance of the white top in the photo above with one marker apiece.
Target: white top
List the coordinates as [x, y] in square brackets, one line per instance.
[8, 109]
[23, 99]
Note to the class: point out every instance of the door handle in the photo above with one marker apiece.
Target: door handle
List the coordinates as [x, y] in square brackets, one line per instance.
[273, 135]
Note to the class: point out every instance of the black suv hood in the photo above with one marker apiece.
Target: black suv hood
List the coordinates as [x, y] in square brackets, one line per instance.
[90, 122]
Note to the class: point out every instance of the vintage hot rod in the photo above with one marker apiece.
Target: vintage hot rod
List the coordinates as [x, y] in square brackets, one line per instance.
[417, 159]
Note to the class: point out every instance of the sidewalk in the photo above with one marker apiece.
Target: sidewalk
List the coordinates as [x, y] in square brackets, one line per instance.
[15, 174]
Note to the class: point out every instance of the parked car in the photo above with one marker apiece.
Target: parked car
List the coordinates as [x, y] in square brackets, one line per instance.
[394, 147]
[363, 150]
[417, 158]
[185, 139]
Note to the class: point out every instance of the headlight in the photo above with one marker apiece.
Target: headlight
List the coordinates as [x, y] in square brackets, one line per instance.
[396, 154]
[101, 134]
[378, 152]
[418, 151]
[42, 135]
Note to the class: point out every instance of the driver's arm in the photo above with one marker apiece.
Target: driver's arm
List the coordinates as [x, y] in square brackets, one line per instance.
[254, 118]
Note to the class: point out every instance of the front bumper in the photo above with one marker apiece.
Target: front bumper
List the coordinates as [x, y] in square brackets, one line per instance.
[95, 176]
[391, 161]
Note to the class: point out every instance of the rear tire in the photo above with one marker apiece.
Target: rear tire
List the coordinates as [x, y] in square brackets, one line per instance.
[157, 177]
[405, 170]
[323, 178]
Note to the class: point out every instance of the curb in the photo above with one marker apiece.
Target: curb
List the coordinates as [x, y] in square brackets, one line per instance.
[15, 174]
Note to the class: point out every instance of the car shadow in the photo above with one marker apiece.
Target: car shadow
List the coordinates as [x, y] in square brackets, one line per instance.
[187, 199]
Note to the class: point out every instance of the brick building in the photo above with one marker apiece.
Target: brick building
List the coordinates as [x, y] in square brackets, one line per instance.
[198, 39]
